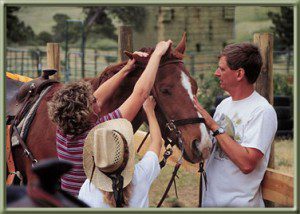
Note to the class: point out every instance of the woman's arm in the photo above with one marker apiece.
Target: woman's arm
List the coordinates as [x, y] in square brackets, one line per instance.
[105, 91]
[155, 133]
[142, 88]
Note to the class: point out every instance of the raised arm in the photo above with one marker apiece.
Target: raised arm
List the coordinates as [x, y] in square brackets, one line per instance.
[105, 91]
[155, 134]
[142, 88]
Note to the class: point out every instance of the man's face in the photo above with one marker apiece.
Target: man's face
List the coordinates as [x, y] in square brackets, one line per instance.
[226, 76]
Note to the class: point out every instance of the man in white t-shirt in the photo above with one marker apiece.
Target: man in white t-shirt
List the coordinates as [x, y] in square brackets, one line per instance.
[243, 129]
[108, 158]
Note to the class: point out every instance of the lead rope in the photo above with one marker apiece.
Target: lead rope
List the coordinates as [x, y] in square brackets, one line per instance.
[202, 174]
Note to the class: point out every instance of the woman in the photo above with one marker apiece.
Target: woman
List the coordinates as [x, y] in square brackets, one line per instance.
[108, 160]
[73, 107]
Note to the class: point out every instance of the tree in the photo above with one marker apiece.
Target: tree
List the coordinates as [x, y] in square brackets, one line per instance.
[59, 30]
[100, 19]
[283, 28]
[44, 37]
[16, 30]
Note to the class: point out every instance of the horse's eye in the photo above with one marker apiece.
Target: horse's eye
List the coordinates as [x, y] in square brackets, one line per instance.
[165, 91]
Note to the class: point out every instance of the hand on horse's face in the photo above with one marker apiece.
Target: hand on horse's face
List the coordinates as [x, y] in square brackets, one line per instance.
[209, 121]
[149, 105]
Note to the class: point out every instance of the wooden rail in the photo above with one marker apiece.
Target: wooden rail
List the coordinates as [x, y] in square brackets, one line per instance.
[276, 186]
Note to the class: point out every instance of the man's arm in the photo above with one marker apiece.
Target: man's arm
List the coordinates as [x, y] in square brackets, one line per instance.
[243, 157]
[142, 88]
[105, 91]
[155, 133]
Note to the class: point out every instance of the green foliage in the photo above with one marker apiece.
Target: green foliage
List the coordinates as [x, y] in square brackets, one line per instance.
[209, 89]
[44, 37]
[59, 30]
[282, 85]
[99, 20]
[17, 31]
[283, 29]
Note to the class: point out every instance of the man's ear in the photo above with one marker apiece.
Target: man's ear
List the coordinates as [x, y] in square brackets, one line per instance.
[240, 74]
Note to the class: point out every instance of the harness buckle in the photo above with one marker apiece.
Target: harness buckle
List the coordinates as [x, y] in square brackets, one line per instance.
[171, 126]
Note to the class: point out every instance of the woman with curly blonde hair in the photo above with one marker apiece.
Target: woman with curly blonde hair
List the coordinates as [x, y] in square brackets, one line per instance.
[75, 109]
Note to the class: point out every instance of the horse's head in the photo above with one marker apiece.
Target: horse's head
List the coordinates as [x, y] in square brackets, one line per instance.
[173, 90]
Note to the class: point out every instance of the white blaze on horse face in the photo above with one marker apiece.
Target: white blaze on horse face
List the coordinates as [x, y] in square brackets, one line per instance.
[205, 145]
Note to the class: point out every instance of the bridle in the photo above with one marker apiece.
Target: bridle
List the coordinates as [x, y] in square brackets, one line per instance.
[173, 138]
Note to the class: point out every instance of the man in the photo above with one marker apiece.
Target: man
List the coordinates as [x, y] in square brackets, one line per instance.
[243, 129]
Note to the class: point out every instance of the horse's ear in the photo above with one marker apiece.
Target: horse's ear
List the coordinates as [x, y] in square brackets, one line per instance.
[181, 46]
[130, 55]
[169, 51]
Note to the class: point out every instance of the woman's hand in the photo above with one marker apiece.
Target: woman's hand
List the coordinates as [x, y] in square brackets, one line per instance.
[130, 64]
[162, 47]
[149, 105]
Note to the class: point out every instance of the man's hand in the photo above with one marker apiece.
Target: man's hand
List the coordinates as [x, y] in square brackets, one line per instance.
[209, 122]
[130, 63]
[149, 105]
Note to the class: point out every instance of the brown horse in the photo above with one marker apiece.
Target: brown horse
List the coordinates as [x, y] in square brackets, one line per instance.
[173, 91]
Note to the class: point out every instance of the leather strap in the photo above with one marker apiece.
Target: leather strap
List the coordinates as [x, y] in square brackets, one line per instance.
[188, 121]
[177, 166]
[25, 148]
[9, 159]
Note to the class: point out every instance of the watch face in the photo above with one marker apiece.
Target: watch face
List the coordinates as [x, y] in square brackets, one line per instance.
[221, 130]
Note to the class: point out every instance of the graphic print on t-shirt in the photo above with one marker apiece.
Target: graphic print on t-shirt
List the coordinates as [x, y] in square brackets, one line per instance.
[229, 126]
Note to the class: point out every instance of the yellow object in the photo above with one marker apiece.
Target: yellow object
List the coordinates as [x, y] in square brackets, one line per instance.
[18, 77]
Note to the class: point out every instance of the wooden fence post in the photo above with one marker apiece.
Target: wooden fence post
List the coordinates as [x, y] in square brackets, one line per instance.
[264, 83]
[124, 42]
[53, 58]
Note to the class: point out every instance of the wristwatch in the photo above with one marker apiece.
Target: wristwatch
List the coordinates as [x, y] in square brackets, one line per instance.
[220, 130]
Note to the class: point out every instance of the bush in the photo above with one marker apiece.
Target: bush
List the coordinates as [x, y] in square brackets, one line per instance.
[209, 89]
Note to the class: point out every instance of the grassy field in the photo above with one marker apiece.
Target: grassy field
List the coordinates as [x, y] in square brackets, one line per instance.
[188, 183]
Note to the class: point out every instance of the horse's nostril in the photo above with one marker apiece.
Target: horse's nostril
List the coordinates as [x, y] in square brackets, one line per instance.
[195, 149]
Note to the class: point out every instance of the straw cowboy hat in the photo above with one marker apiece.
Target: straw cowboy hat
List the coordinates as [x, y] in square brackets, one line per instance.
[105, 152]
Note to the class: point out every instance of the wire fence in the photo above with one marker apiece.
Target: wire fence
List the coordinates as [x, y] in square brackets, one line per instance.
[30, 62]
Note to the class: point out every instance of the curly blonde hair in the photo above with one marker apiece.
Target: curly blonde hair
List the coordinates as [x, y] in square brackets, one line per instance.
[110, 199]
[71, 107]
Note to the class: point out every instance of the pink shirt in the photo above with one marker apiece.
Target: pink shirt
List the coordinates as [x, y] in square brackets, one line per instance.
[70, 148]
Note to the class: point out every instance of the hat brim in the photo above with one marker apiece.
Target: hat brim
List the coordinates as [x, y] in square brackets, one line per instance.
[99, 179]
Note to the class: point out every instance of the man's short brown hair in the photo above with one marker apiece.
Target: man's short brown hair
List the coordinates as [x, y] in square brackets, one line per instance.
[71, 107]
[246, 56]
